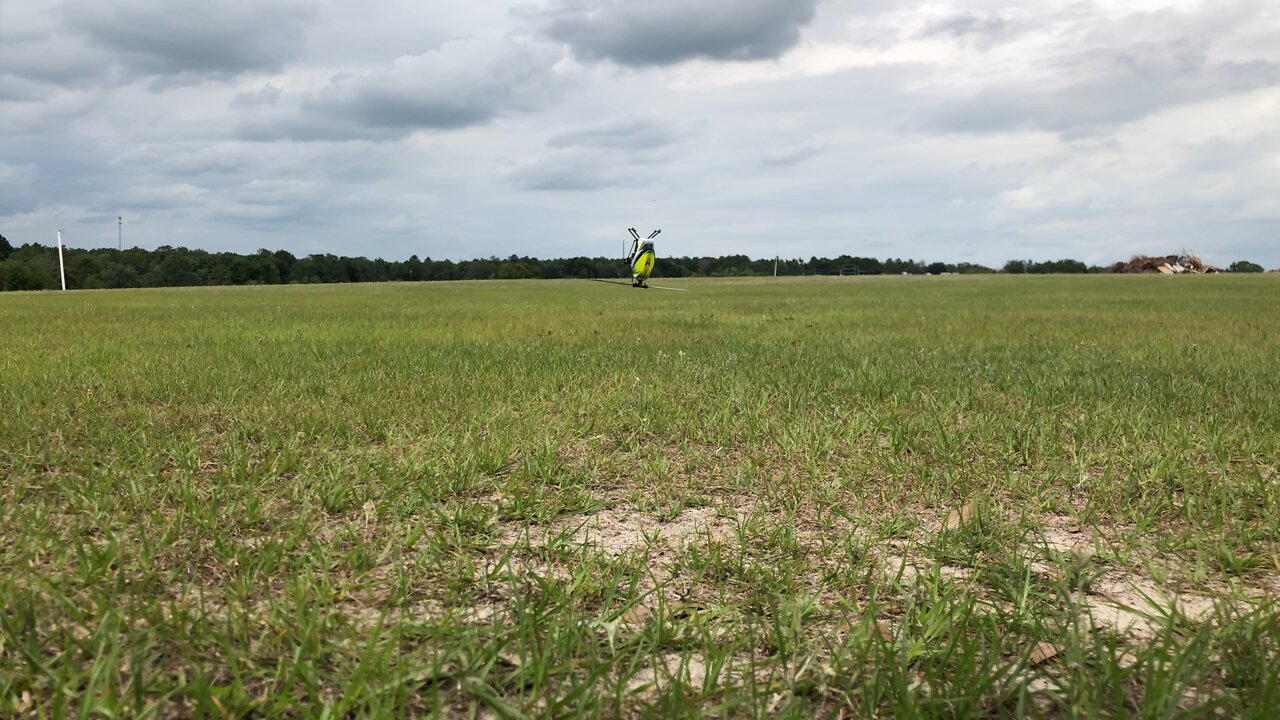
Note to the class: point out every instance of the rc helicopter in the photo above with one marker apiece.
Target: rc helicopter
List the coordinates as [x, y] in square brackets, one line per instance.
[641, 259]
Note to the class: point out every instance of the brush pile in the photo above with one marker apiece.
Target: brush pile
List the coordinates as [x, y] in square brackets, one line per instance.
[1167, 264]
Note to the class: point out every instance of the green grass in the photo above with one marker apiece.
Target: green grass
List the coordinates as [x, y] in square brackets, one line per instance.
[922, 497]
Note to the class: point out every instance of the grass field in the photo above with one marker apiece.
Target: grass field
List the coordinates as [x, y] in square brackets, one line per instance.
[924, 497]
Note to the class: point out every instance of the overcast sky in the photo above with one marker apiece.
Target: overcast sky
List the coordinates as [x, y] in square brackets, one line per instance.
[962, 131]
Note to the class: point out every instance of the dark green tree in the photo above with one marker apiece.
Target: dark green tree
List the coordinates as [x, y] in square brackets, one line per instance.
[175, 269]
[516, 271]
[176, 266]
[20, 275]
[1244, 266]
[284, 264]
[413, 269]
[479, 269]
[111, 274]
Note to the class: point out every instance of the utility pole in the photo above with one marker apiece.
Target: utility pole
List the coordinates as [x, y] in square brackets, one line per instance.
[119, 232]
[62, 272]
[775, 266]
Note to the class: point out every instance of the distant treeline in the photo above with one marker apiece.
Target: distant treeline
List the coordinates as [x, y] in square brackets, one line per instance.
[35, 267]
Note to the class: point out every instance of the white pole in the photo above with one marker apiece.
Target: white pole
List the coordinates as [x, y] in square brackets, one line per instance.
[61, 270]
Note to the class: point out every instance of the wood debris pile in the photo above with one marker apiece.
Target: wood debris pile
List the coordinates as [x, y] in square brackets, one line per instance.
[1167, 264]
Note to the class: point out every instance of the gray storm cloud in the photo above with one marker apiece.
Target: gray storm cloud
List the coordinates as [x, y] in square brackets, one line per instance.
[629, 135]
[158, 37]
[463, 83]
[1108, 89]
[664, 32]
[576, 172]
[983, 30]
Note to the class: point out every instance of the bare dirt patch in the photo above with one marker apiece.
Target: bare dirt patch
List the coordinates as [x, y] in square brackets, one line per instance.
[690, 669]
[1134, 605]
[1067, 535]
[615, 531]
[1125, 600]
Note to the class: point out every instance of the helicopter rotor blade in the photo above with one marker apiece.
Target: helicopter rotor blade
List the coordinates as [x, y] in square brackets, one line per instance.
[627, 284]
